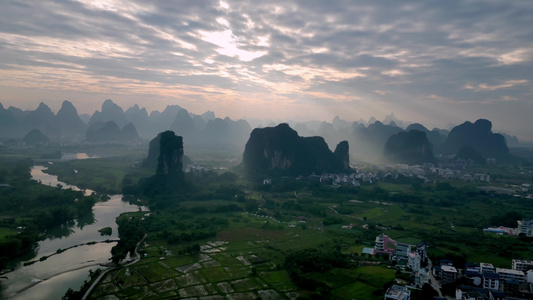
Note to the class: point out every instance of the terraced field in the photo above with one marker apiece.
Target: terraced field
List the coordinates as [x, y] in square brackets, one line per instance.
[216, 273]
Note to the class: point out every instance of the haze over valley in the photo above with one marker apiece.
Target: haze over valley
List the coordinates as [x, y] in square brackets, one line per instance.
[237, 150]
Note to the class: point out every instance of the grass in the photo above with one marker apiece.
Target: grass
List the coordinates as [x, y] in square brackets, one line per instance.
[357, 290]
[6, 232]
[449, 228]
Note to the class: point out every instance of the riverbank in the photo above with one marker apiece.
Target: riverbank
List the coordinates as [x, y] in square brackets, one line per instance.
[137, 258]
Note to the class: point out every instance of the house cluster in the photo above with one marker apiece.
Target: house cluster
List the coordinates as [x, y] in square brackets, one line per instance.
[403, 254]
[427, 172]
[336, 179]
[484, 281]
[488, 282]
[524, 226]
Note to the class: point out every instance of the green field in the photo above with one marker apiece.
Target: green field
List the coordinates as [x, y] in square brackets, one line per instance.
[245, 231]
[5, 232]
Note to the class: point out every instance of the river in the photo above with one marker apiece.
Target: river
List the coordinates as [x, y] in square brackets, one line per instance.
[52, 277]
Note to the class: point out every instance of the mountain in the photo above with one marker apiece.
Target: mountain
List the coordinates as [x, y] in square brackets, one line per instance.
[110, 112]
[368, 142]
[435, 137]
[342, 152]
[281, 151]
[199, 122]
[104, 132]
[339, 124]
[208, 115]
[153, 154]
[169, 177]
[109, 132]
[392, 119]
[129, 133]
[35, 137]
[6, 118]
[183, 125]
[468, 153]
[226, 132]
[479, 137]
[139, 117]
[170, 157]
[510, 140]
[409, 147]
[42, 118]
[68, 121]
[302, 129]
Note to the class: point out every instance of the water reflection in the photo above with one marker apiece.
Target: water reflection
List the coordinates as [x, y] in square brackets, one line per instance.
[38, 174]
[70, 268]
[84, 220]
[58, 232]
[72, 156]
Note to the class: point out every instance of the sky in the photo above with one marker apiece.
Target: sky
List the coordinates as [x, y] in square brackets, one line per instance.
[432, 62]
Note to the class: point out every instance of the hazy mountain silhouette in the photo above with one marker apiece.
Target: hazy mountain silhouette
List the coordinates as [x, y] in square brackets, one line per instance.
[409, 147]
[280, 150]
[205, 130]
[435, 137]
[139, 117]
[183, 125]
[42, 118]
[129, 132]
[368, 142]
[199, 122]
[468, 153]
[208, 115]
[226, 132]
[109, 132]
[68, 120]
[35, 137]
[110, 112]
[6, 118]
[510, 140]
[479, 137]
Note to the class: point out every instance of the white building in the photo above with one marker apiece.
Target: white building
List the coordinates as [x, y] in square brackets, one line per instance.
[402, 250]
[482, 177]
[486, 267]
[421, 277]
[449, 274]
[413, 261]
[529, 276]
[511, 275]
[491, 280]
[522, 265]
[397, 292]
[525, 226]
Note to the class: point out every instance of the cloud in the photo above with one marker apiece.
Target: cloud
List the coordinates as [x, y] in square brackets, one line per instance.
[487, 87]
[406, 54]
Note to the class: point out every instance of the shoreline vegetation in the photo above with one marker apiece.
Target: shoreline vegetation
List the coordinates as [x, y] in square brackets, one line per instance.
[59, 251]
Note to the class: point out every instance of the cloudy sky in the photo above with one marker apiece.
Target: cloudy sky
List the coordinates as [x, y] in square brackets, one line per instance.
[433, 62]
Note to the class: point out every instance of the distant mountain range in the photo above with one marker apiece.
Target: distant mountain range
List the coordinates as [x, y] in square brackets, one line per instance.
[113, 124]
[371, 141]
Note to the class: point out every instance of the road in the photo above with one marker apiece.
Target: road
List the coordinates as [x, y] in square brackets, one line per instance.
[137, 258]
[434, 282]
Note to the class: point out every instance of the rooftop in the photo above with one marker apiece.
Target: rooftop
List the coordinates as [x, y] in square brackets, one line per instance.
[509, 271]
[448, 269]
